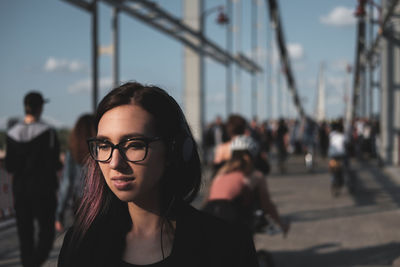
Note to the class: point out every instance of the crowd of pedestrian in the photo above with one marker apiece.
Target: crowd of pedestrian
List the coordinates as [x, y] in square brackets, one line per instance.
[293, 136]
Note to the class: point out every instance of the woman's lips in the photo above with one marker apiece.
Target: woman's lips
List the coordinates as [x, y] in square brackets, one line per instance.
[122, 183]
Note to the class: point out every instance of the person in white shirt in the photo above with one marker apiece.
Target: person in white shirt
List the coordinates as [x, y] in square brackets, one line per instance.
[338, 156]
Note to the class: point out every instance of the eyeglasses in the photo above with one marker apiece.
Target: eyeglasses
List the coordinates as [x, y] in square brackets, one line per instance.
[132, 149]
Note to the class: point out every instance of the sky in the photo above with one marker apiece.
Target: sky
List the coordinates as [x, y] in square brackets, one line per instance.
[46, 46]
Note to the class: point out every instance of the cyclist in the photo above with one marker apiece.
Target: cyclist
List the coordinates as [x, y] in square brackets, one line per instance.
[338, 162]
[239, 187]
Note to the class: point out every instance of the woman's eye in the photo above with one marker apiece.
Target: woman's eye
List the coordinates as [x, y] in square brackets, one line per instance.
[135, 145]
[103, 147]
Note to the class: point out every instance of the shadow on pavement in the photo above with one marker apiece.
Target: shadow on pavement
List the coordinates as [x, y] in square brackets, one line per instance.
[317, 256]
[382, 196]
[366, 196]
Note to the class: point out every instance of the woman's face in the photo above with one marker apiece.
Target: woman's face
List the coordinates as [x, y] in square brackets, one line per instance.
[137, 182]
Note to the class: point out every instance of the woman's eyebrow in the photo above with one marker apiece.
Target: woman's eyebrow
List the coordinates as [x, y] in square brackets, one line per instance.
[132, 135]
[123, 137]
[102, 137]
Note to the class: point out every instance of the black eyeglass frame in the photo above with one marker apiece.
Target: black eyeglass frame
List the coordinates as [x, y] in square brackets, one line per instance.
[146, 140]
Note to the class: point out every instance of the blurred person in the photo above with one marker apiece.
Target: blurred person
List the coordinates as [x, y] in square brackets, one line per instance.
[338, 162]
[323, 137]
[215, 134]
[144, 172]
[310, 134]
[254, 130]
[239, 188]
[366, 138]
[266, 137]
[281, 141]
[359, 124]
[71, 186]
[235, 125]
[295, 137]
[374, 138]
[33, 159]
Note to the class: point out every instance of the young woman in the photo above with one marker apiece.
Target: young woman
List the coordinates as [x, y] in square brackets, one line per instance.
[238, 187]
[144, 173]
[71, 185]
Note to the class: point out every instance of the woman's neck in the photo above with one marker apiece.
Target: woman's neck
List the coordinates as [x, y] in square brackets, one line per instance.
[143, 241]
[144, 221]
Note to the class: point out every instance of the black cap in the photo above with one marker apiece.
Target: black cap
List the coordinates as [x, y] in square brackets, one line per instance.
[34, 99]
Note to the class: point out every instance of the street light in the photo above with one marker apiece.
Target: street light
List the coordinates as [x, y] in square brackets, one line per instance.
[221, 19]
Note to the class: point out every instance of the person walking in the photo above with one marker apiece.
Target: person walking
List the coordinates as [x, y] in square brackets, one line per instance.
[32, 158]
[143, 174]
[282, 141]
[71, 186]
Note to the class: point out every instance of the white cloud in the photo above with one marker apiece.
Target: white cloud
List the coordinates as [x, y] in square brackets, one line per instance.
[296, 51]
[339, 16]
[64, 65]
[105, 83]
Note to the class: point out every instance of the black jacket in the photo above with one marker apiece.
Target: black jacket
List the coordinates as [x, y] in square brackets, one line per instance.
[200, 240]
[33, 158]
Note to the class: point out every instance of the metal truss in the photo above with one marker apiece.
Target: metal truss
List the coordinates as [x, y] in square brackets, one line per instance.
[369, 56]
[284, 55]
[375, 47]
[151, 14]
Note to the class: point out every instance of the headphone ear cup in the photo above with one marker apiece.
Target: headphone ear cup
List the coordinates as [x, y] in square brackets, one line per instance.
[187, 149]
[182, 147]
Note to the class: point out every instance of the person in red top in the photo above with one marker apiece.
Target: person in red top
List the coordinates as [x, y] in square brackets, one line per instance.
[238, 187]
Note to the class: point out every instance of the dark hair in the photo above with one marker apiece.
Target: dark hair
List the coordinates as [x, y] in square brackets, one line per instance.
[239, 161]
[182, 176]
[337, 126]
[84, 128]
[33, 103]
[236, 125]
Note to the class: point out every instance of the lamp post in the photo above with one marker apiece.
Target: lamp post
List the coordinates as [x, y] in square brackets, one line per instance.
[95, 55]
[221, 19]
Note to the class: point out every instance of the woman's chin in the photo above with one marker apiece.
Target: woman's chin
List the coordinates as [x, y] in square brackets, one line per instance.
[125, 196]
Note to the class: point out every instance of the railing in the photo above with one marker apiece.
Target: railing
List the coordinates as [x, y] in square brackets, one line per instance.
[6, 197]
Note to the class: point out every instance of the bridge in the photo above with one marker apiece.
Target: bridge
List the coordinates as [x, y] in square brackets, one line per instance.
[375, 52]
[354, 229]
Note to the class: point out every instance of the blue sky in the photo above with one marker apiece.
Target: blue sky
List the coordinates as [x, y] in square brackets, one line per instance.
[45, 45]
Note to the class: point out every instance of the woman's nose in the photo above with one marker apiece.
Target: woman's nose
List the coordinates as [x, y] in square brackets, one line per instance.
[116, 160]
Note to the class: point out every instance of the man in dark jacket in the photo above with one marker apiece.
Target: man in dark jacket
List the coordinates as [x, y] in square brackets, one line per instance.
[33, 160]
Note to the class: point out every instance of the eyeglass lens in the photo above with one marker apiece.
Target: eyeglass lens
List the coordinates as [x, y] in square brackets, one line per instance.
[132, 150]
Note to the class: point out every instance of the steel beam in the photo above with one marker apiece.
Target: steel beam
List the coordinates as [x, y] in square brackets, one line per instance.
[385, 21]
[81, 4]
[158, 18]
[284, 55]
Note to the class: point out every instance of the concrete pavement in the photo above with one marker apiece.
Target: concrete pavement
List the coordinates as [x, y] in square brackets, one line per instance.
[350, 230]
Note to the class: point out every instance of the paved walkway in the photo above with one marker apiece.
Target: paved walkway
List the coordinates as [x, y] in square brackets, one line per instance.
[351, 230]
